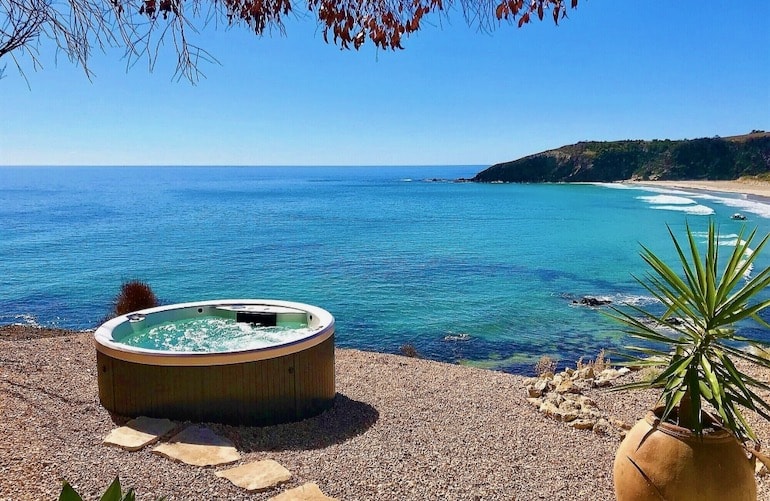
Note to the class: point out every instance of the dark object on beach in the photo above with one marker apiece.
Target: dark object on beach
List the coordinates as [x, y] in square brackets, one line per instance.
[408, 350]
[592, 301]
[134, 295]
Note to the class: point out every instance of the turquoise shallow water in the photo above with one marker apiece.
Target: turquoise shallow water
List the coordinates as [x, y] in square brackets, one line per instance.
[397, 255]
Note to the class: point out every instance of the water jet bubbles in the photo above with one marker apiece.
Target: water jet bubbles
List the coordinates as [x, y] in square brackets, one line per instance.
[214, 334]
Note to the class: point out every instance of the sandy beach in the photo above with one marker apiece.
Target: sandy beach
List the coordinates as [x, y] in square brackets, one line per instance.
[401, 428]
[745, 186]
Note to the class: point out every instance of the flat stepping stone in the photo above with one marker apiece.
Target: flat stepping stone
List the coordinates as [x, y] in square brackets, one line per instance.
[305, 492]
[138, 433]
[257, 476]
[199, 446]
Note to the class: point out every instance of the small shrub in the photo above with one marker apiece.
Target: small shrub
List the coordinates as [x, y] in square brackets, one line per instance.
[545, 365]
[408, 350]
[649, 374]
[600, 363]
[134, 295]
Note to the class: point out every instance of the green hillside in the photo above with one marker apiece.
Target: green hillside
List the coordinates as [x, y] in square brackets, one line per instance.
[717, 158]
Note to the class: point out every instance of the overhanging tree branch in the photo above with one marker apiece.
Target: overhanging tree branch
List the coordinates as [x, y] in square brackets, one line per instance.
[142, 26]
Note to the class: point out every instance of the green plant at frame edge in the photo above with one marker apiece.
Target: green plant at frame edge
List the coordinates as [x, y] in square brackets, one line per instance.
[695, 339]
[113, 493]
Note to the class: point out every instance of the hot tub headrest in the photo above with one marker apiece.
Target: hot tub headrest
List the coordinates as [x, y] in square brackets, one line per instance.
[262, 318]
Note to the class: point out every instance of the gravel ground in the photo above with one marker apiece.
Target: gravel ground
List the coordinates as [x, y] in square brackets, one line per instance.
[401, 428]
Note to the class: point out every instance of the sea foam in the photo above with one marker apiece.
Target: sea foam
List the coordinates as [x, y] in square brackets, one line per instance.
[633, 300]
[667, 200]
[668, 191]
[673, 200]
[614, 186]
[760, 209]
[696, 210]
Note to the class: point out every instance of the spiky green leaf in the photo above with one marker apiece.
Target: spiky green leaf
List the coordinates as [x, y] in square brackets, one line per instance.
[696, 354]
[113, 492]
[68, 493]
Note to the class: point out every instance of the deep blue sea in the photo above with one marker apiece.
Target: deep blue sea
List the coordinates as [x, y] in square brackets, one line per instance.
[397, 254]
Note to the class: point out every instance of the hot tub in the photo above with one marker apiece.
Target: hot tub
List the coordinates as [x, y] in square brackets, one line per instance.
[255, 382]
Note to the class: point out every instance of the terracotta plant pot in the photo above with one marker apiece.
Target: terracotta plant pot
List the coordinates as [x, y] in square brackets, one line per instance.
[660, 461]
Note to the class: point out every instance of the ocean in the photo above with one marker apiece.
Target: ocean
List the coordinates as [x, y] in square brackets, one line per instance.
[480, 274]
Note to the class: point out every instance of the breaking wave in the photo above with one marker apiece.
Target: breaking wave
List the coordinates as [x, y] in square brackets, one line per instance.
[761, 209]
[696, 210]
[673, 200]
[24, 319]
[615, 186]
[666, 200]
[633, 300]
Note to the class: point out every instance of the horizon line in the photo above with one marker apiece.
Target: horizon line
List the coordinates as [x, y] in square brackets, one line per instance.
[244, 165]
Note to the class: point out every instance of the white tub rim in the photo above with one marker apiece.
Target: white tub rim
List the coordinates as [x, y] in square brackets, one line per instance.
[104, 342]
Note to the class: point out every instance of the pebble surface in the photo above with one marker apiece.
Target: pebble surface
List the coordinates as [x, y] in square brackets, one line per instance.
[401, 429]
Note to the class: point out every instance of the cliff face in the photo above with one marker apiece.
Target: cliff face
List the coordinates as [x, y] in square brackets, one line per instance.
[707, 158]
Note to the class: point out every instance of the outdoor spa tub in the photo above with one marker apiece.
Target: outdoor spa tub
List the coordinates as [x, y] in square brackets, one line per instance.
[273, 364]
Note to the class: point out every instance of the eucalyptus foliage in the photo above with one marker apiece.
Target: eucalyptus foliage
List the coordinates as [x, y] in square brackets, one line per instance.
[695, 339]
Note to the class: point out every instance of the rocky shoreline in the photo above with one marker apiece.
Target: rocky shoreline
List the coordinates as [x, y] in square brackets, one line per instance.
[401, 428]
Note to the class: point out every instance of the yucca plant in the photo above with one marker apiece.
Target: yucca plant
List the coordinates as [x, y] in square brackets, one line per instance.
[695, 339]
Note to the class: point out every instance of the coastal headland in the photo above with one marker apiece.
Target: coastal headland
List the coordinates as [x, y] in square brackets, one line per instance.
[714, 158]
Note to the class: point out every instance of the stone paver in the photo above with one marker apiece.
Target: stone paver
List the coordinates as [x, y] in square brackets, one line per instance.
[257, 476]
[305, 492]
[199, 446]
[138, 433]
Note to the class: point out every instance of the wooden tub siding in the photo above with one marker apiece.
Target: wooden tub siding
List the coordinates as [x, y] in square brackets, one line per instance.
[276, 390]
[313, 391]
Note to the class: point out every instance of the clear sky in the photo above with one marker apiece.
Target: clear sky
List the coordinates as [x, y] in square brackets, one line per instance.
[615, 69]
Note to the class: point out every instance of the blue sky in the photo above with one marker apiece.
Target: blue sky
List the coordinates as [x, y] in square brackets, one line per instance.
[615, 69]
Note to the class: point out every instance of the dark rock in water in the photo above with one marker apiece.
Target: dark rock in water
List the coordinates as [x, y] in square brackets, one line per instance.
[670, 322]
[592, 301]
